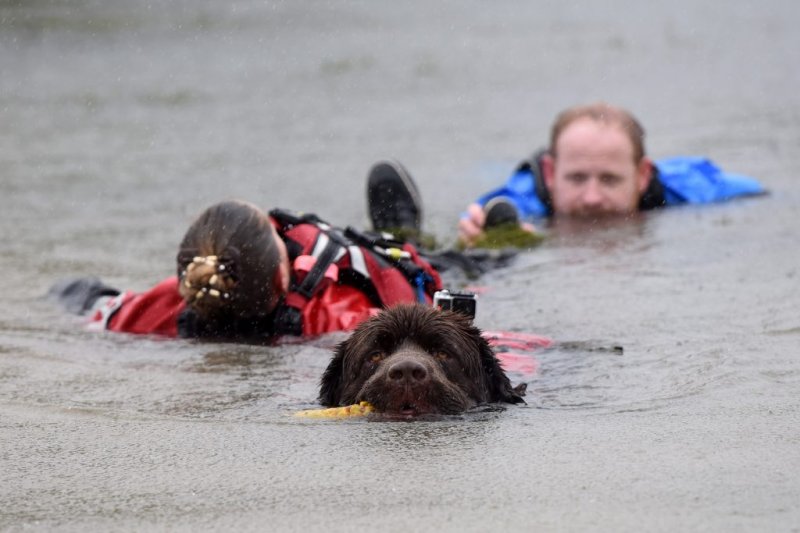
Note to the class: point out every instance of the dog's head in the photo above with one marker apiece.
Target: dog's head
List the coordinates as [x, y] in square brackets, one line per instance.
[413, 359]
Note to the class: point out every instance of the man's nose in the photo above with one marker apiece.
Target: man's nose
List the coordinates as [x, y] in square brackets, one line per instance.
[592, 192]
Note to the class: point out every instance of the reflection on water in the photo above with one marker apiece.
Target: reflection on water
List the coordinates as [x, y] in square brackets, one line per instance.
[433, 436]
[603, 378]
[601, 235]
[239, 358]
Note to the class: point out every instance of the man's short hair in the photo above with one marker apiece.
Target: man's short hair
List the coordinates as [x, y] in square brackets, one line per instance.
[606, 114]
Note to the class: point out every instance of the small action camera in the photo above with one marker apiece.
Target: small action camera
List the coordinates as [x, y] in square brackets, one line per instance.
[460, 302]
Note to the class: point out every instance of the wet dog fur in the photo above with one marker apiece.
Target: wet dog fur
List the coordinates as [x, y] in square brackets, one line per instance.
[414, 360]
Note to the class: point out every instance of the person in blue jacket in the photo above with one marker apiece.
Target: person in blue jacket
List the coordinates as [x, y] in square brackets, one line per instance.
[596, 166]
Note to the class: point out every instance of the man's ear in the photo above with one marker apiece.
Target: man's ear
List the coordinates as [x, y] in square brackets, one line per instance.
[548, 165]
[644, 173]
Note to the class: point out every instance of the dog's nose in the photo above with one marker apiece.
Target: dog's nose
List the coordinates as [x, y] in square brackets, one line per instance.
[408, 370]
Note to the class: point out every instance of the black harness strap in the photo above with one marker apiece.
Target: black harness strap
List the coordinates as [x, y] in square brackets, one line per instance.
[288, 315]
[310, 283]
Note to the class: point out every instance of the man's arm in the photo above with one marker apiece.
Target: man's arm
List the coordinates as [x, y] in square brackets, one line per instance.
[519, 190]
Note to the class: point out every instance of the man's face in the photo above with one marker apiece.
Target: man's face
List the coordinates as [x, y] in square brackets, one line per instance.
[594, 173]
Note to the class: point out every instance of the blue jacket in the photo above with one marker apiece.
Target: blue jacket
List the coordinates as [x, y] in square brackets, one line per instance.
[677, 180]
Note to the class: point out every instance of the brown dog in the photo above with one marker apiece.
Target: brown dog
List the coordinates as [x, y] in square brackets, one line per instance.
[413, 359]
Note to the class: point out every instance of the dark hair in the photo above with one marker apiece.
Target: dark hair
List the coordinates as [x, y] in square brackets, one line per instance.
[227, 263]
[606, 114]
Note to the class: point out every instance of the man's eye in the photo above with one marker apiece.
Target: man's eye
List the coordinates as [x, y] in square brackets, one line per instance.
[577, 179]
[611, 179]
[377, 357]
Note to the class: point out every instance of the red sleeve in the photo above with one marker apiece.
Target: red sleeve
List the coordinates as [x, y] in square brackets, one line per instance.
[155, 311]
[336, 308]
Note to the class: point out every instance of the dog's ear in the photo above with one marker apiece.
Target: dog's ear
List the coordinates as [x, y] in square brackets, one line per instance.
[499, 386]
[330, 386]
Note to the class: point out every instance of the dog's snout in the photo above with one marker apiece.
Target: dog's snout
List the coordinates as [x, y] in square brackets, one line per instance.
[408, 370]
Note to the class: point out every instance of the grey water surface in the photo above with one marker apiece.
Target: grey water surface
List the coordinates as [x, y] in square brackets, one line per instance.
[121, 120]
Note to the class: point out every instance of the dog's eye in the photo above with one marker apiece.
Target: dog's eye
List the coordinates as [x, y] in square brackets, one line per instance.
[377, 357]
[442, 356]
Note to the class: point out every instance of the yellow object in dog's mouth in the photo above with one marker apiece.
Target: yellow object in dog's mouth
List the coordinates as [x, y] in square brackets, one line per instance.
[359, 409]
